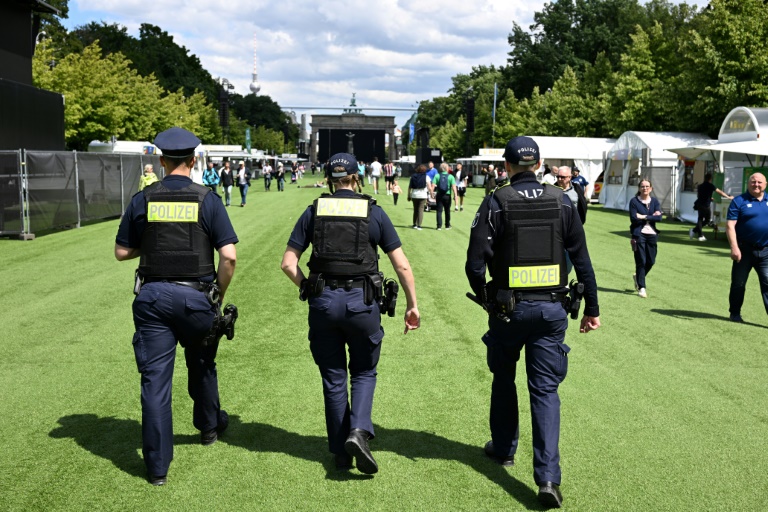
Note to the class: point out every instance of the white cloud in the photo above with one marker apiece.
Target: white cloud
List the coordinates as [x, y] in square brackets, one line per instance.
[391, 53]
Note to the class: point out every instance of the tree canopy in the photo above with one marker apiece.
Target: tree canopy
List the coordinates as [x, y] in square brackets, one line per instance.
[597, 68]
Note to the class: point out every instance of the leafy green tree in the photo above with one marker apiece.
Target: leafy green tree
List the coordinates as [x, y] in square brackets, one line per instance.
[724, 64]
[451, 139]
[270, 141]
[633, 99]
[154, 52]
[54, 30]
[258, 111]
[105, 97]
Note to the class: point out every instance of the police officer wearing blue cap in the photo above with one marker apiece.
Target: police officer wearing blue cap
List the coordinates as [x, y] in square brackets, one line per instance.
[345, 230]
[173, 226]
[521, 232]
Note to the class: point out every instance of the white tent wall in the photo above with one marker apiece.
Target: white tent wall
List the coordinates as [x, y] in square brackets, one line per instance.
[586, 153]
[640, 153]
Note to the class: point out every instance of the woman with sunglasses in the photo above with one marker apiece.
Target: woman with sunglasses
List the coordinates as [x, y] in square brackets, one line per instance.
[644, 213]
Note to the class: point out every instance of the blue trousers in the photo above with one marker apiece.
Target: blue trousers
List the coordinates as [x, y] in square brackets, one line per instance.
[243, 193]
[280, 184]
[645, 256]
[539, 328]
[339, 319]
[750, 259]
[164, 313]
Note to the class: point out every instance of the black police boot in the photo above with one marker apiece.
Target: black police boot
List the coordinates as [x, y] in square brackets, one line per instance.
[343, 461]
[504, 461]
[357, 447]
[158, 480]
[211, 436]
[550, 495]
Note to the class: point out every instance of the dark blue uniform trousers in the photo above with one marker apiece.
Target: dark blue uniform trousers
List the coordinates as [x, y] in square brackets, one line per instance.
[539, 327]
[164, 313]
[337, 319]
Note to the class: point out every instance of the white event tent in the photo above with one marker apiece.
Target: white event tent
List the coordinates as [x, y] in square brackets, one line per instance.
[585, 153]
[742, 142]
[645, 154]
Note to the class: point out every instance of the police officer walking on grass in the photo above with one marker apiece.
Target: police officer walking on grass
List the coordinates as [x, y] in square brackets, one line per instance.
[173, 226]
[344, 291]
[521, 232]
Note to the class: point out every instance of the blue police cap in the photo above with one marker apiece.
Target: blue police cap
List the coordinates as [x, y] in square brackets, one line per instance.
[177, 142]
[522, 151]
[345, 160]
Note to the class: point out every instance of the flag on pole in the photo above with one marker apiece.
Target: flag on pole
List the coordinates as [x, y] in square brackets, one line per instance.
[495, 95]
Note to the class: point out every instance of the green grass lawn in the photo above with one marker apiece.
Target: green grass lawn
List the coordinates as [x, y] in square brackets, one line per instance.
[664, 408]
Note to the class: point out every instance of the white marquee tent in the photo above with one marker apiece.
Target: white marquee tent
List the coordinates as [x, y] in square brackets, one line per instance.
[585, 153]
[637, 154]
[742, 142]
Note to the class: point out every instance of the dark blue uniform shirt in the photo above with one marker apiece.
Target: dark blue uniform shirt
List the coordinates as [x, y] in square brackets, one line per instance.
[214, 217]
[381, 232]
[488, 226]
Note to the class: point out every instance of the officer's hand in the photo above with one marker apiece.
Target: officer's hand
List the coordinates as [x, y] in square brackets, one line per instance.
[736, 254]
[589, 323]
[412, 320]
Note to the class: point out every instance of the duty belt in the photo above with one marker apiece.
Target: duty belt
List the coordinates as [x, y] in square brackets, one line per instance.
[347, 284]
[547, 296]
[197, 285]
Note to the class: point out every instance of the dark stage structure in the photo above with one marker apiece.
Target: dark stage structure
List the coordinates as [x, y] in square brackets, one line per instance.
[364, 135]
[30, 118]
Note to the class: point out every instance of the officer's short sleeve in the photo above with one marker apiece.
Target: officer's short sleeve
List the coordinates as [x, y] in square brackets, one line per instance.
[132, 224]
[216, 222]
[301, 236]
[388, 238]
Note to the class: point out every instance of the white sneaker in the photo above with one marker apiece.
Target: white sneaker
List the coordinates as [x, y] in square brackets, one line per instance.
[455, 208]
[439, 229]
[417, 227]
[690, 234]
[702, 239]
[642, 293]
[634, 279]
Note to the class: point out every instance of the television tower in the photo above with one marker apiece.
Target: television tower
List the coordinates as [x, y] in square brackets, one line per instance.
[255, 86]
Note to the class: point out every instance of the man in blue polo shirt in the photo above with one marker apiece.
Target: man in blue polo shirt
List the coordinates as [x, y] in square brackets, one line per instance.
[747, 231]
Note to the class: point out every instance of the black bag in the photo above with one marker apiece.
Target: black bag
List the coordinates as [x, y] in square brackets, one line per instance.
[696, 204]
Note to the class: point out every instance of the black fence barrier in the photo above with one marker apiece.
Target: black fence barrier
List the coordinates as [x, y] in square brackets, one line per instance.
[48, 190]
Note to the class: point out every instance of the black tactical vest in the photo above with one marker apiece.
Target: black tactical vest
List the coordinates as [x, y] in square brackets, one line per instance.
[340, 241]
[530, 255]
[174, 245]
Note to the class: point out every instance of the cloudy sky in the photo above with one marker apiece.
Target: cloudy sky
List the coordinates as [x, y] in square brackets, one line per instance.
[391, 53]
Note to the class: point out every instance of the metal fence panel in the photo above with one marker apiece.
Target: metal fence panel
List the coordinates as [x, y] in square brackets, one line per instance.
[100, 180]
[11, 212]
[51, 190]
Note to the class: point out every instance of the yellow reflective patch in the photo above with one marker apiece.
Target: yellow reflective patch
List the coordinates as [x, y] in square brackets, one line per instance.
[534, 277]
[342, 207]
[171, 212]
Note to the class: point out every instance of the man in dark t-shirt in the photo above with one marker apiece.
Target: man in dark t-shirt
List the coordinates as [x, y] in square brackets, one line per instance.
[704, 206]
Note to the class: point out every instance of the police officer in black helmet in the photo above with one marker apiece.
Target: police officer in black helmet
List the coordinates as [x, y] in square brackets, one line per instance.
[521, 233]
[345, 230]
[173, 226]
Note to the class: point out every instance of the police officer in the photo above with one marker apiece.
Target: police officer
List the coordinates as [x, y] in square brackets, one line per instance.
[345, 230]
[521, 233]
[173, 226]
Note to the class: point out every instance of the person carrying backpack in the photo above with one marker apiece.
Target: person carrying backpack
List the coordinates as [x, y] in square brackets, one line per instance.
[442, 186]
